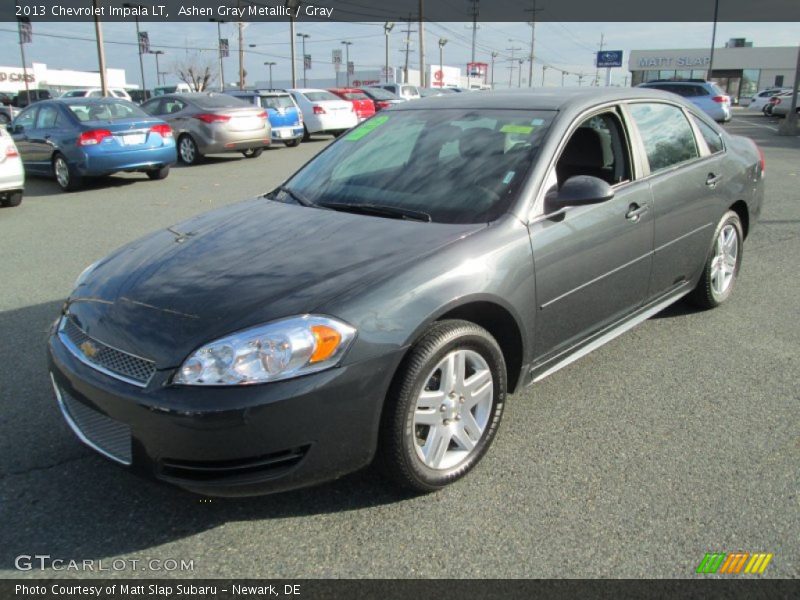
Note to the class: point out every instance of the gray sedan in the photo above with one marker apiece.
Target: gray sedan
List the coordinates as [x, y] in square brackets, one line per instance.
[210, 123]
[388, 297]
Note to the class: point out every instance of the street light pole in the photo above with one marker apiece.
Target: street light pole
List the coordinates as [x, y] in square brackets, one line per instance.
[293, 5]
[347, 60]
[713, 40]
[304, 36]
[494, 55]
[270, 64]
[387, 27]
[22, 56]
[442, 44]
[789, 125]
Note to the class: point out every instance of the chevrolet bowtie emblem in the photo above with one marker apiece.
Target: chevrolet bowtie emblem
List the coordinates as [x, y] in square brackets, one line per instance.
[89, 349]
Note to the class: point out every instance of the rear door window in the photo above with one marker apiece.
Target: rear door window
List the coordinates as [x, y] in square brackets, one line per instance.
[667, 136]
[48, 117]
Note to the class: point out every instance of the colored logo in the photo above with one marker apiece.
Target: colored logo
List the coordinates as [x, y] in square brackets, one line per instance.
[89, 349]
[734, 563]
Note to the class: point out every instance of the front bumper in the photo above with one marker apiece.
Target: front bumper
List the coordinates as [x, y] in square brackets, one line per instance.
[229, 441]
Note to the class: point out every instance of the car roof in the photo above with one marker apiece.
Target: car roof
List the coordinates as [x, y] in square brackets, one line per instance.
[86, 100]
[561, 99]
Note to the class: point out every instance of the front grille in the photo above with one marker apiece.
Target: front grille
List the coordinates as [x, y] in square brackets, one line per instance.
[103, 357]
[109, 437]
[231, 471]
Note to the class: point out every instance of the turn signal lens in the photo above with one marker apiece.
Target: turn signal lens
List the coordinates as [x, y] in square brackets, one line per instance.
[162, 129]
[326, 341]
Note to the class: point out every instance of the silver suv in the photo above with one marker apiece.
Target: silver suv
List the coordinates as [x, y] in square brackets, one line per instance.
[706, 95]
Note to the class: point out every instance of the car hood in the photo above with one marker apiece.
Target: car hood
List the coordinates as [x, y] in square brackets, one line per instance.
[166, 294]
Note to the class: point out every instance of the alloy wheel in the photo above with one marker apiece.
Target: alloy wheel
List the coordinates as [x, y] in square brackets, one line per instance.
[188, 150]
[723, 265]
[61, 171]
[453, 410]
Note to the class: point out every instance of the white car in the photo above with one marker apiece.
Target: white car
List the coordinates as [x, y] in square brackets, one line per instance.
[324, 112]
[760, 100]
[97, 93]
[12, 175]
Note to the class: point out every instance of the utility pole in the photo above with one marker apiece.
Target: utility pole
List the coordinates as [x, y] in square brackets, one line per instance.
[270, 65]
[511, 60]
[474, 15]
[304, 37]
[241, 54]
[158, 53]
[713, 40]
[139, 43]
[421, 44]
[596, 68]
[292, 5]
[408, 48]
[101, 52]
[387, 28]
[533, 10]
[494, 55]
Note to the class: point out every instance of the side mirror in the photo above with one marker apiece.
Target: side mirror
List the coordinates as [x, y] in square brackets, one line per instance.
[17, 128]
[580, 190]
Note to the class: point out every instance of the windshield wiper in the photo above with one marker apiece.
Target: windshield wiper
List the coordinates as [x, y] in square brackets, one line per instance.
[378, 210]
[297, 197]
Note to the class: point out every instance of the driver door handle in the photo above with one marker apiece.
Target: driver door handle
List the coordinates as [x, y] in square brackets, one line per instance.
[712, 180]
[635, 212]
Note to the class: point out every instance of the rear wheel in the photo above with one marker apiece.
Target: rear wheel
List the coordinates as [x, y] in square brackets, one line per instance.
[306, 134]
[188, 151]
[444, 408]
[292, 143]
[722, 266]
[252, 152]
[158, 173]
[337, 133]
[66, 177]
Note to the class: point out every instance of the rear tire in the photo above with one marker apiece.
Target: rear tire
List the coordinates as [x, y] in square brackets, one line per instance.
[292, 143]
[306, 134]
[156, 174]
[188, 152]
[252, 152]
[66, 177]
[444, 407]
[722, 265]
[14, 199]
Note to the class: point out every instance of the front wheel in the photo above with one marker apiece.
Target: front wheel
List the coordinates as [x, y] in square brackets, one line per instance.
[722, 266]
[292, 143]
[444, 407]
[252, 152]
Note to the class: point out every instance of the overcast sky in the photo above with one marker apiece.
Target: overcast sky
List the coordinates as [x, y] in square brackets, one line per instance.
[567, 46]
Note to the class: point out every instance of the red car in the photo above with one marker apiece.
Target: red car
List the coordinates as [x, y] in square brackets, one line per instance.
[362, 103]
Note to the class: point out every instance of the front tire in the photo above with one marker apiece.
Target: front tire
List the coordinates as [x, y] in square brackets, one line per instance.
[188, 151]
[66, 177]
[252, 152]
[10, 200]
[444, 407]
[292, 143]
[722, 265]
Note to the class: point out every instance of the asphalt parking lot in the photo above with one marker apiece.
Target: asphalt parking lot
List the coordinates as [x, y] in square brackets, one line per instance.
[677, 439]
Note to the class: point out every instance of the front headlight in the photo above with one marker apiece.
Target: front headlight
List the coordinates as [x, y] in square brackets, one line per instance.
[278, 350]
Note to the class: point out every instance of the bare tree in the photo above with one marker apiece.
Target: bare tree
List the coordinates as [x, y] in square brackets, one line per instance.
[196, 71]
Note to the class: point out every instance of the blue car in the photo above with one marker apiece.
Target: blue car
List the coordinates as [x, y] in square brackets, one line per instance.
[75, 138]
[284, 116]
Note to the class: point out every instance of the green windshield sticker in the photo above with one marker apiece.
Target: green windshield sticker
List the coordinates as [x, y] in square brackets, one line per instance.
[525, 129]
[366, 129]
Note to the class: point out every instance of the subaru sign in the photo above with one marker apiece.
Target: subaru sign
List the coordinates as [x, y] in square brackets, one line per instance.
[609, 58]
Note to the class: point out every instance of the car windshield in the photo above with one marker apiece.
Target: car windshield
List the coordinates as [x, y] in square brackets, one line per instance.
[381, 94]
[320, 96]
[276, 102]
[106, 111]
[217, 101]
[456, 165]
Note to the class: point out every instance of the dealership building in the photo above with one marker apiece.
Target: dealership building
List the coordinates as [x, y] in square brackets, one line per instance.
[58, 81]
[739, 68]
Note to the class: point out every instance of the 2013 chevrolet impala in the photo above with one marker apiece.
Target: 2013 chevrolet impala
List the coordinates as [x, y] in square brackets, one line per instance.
[386, 298]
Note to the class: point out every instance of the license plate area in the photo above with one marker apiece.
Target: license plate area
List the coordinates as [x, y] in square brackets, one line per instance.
[132, 139]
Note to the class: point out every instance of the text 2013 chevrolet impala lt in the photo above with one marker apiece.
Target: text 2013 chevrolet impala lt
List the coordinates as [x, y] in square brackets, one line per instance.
[390, 294]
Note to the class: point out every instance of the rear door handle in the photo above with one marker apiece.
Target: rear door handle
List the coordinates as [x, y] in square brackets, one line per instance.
[635, 212]
[712, 180]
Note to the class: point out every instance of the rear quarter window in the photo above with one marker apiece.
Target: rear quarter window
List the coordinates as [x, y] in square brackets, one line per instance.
[712, 138]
